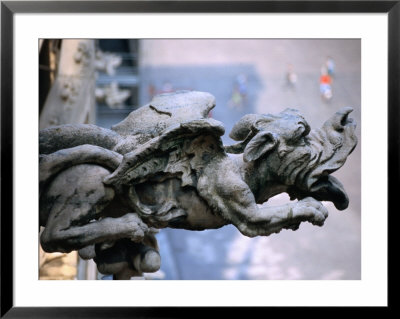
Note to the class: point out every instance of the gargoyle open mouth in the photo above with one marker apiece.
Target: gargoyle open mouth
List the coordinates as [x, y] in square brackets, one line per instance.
[327, 188]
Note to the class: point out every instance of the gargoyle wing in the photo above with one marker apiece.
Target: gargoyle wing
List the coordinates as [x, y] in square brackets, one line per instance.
[164, 111]
[169, 152]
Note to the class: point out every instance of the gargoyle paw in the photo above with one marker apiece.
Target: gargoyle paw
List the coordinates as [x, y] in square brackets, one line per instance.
[311, 210]
[135, 228]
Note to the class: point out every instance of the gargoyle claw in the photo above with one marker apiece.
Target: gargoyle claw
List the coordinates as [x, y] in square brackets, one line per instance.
[134, 227]
[311, 210]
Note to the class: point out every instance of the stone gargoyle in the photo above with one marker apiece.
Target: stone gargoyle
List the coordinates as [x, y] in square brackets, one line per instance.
[106, 192]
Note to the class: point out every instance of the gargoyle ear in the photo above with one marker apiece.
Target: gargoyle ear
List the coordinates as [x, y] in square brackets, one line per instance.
[259, 145]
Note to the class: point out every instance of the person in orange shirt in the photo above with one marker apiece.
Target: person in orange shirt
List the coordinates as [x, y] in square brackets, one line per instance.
[325, 84]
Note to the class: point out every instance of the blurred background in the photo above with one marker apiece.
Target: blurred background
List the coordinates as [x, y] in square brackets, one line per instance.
[102, 81]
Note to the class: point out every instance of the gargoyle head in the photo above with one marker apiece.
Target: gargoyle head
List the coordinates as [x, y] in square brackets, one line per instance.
[297, 157]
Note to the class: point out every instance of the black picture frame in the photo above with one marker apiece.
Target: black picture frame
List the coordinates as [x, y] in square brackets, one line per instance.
[9, 8]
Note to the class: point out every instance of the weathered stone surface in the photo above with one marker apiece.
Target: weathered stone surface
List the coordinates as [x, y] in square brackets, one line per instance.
[104, 192]
[71, 97]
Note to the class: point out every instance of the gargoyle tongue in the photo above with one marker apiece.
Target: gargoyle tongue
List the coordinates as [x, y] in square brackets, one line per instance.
[328, 188]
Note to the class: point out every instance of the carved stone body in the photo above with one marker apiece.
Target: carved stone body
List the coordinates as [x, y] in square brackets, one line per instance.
[165, 166]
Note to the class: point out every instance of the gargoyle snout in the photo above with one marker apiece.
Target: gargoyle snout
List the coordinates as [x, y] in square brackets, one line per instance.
[333, 143]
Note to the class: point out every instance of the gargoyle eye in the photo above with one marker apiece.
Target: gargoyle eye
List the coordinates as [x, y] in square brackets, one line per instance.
[304, 129]
[299, 132]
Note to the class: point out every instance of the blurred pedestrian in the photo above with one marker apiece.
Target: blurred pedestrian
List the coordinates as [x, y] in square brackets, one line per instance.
[239, 92]
[151, 90]
[235, 101]
[325, 85]
[330, 66]
[241, 80]
[291, 77]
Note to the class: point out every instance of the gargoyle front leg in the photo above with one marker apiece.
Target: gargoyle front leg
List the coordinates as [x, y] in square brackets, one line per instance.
[72, 205]
[228, 194]
[268, 220]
